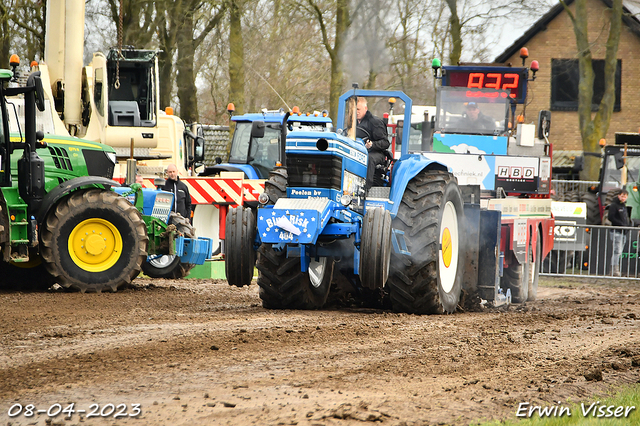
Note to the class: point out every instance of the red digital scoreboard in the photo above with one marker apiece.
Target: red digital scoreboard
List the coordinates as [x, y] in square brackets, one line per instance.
[501, 78]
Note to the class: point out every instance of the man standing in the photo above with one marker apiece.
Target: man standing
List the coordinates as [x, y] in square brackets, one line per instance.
[618, 216]
[373, 131]
[182, 199]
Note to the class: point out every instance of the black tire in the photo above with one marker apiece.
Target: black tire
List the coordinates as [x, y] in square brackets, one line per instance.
[31, 276]
[240, 256]
[572, 197]
[276, 185]
[516, 279]
[423, 283]
[169, 266]
[534, 274]
[375, 248]
[593, 209]
[284, 286]
[119, 253]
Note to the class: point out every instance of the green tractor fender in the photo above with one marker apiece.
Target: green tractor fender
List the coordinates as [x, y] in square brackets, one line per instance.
[60, 191]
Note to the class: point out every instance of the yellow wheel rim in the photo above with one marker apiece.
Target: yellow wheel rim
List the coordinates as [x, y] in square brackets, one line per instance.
[446, 247]
[95, 245]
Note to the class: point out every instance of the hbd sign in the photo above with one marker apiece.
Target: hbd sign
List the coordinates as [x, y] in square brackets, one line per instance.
[516, 172]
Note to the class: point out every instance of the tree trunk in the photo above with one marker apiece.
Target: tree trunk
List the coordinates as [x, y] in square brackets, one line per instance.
[337, 73]
[455, 29]
[593, 128]
[236, 56]
[5, 37]
[185, 79]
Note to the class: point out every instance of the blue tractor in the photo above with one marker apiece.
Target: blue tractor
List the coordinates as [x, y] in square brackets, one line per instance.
[255, 154]
[407, 239]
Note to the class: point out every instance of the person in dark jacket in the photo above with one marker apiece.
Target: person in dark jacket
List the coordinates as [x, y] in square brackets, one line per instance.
[182, 199]
[476, 120]
[618, 216]
[373, 131]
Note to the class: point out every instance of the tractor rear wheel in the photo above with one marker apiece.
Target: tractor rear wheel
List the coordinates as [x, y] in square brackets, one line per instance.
[534, 270]
[284, 286]
[94, 240]
[375, 248]
[593, 209]
[516, 278]
[431, 216]
[169, 266]
[29, 276]
[240, 257]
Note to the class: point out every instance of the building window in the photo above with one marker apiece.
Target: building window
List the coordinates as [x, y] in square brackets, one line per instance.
[565, 76]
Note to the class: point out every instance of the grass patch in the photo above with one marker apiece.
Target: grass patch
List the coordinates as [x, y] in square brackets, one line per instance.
[625, 398]
[585, 282]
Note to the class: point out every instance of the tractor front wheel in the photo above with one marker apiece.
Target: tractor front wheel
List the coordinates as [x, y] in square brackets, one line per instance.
[375, 248]
[169, 266]
[534, 271]
[240, 257]
[516, 279]
[284, 286]
[94, 240]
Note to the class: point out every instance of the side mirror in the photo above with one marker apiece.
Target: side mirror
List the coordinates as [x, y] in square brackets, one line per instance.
[619, 158]
[578, 164]
[544, 124]
[158, 182]
[39, 93]
[198, 154]
[257, 129]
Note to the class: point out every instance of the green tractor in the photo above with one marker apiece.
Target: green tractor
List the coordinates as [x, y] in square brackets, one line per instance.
[60, 220]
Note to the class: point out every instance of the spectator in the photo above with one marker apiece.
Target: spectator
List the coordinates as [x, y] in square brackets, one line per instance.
[182, 199]
[618, 216]
[373, 131]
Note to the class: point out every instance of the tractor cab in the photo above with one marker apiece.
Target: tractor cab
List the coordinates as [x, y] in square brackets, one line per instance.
[256, 143]
[478, 112]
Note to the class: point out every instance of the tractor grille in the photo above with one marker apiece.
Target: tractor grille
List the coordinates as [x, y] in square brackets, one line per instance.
[60, 158]
[98, 164]
[319, 171]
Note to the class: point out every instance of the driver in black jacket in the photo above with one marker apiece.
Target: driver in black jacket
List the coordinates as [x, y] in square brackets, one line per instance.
[373, 131]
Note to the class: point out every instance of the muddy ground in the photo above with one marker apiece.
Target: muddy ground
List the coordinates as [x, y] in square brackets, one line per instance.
[197, 352]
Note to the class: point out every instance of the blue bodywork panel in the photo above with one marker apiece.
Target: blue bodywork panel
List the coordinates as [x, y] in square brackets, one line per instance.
[354, 153]
[276, 117]
[248, 170]
[296, 221]
[156, 203]
[403, 171]
[194, 250]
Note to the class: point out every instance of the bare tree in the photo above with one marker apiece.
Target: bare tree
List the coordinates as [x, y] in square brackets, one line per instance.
[191, 31]
[236, 55]
[139, 21]
[21, 30]
[595, 127]
[340, 11]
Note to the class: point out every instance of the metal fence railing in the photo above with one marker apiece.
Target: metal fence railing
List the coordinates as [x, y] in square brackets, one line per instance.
[570, 190]
[588, 251]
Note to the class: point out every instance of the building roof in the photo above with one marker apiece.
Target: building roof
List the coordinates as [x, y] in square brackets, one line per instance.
[628, 17]
[564, 159]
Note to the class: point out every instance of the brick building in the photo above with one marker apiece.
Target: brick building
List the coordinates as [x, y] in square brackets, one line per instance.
[551, 41]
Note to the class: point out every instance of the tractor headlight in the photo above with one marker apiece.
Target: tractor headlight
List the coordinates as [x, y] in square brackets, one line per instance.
[345, 200]
[263, 198]
[111, 156]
